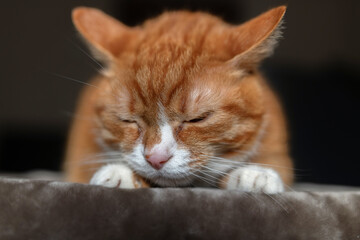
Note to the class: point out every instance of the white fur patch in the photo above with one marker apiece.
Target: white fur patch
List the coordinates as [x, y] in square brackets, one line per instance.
[113, 175]
[255, 179]
[176, 171]
[168, 143]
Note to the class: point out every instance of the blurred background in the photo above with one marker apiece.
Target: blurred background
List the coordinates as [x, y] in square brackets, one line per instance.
[315, 71]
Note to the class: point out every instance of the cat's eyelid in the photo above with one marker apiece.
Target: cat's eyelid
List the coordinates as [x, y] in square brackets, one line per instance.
[200, 118]
[128, 121]
[125, 120]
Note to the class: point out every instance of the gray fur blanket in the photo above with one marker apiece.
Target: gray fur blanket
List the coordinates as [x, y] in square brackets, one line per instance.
[31, 209]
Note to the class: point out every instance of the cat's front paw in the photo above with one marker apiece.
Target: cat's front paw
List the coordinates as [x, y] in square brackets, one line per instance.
[255, 179]
[116, 176]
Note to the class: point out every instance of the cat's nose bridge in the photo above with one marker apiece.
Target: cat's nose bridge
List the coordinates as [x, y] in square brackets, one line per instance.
[152, 138]
[159, 147]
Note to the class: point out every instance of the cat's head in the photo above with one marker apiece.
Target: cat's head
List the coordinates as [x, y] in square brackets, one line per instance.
[179, 90]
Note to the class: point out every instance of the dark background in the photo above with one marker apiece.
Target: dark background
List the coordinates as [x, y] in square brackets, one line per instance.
[315, 70]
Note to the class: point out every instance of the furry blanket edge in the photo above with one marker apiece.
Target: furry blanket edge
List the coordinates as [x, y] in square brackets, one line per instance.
[35, 209]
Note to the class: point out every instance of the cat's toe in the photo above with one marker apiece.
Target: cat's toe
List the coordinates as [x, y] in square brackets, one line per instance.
[112, 176]
[255, 179]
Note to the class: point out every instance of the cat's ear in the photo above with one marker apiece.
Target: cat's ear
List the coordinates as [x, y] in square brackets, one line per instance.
[256, 39]
[106, 36]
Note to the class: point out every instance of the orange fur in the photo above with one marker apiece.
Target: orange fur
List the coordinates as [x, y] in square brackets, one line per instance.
[190, 64]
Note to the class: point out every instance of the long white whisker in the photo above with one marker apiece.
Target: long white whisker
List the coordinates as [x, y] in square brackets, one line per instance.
[215, 170]
[72, 79]
[100, 161]
[206, 174]
[234, 162]
[88, 55]
[278, 203]
[210, 182]
[109, 154]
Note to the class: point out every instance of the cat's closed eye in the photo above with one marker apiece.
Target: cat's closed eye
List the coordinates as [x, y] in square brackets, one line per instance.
[127, 120]
[200, 118]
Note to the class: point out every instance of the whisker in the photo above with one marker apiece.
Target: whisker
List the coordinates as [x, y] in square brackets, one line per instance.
[215, 170]
[206, 174]
[225, 160]
[110, 154]
[210, 182]
[87, 54]
[219, 179]
[231, 167]
[288, 188]
[279, 203]
[100, 161]
[71, 79]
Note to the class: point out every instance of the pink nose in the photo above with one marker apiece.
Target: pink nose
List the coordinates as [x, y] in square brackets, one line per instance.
[157, 160]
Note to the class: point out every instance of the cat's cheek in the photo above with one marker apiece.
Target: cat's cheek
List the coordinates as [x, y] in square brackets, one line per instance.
[189, 136]
[194, 144]
[129, 138]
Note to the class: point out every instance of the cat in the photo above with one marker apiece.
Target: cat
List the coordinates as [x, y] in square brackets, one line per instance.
[181, 102]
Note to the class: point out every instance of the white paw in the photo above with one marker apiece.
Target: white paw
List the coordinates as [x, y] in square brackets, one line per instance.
[255, 179]
[118, 176]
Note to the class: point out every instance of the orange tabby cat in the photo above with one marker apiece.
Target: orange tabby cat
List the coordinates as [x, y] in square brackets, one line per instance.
[180, 103]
